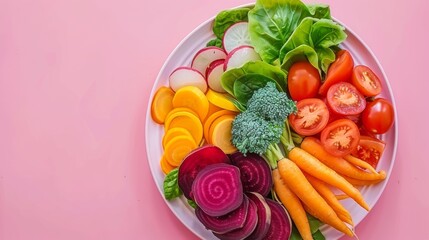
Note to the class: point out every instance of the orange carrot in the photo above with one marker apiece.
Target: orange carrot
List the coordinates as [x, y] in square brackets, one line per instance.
[342, 196]
[330, 198]
[338, 164]
[293, 205]
[358, 182]
[294, 178]
[316, 168]
[360, 163]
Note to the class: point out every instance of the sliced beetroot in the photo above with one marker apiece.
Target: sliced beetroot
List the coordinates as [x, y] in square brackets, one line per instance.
[255, 173]
[281, 225]
[247, 229]
[225, 223]
[264, 216]
[194, 162]
[217, 189]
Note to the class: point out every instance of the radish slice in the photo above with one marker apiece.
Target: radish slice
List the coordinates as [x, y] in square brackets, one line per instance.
[255, 173]
[236, 35]
[217, 189]
[225, 223]
[205, 56]
[247, 229]
[239, 56]
[194, 162]
[186, 76]
[281, 225]
[264, 216]
[214, 75]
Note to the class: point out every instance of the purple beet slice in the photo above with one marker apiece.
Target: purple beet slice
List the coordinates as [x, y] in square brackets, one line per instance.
[264, 216]
[281, 225]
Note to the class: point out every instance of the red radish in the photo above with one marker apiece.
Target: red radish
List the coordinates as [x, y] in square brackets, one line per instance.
[205, 56]
[255, 173]
[217, 189]
[186, 76]
[225, 223]
[213, 75]
[247, 229]
[194, 162]
[281, 225]
[235, 36]
[264, 216]
[239, 56]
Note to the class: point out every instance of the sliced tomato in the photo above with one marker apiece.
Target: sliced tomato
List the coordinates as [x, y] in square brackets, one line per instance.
[343, 98]
[340, 137]
[378, 116]
[365, 80]
[303, 81]
[339, 71]
[370, 150]
[312, 116]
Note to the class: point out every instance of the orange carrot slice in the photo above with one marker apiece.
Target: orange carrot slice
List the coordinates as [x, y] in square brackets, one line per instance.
[165, 166]
[209, 121]
[177, 148]
[187, 120]
[174, 132]
[220, 133]
[161, 104]
[192, 98]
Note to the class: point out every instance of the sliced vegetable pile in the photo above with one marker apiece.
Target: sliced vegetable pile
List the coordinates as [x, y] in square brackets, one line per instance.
[270, 120]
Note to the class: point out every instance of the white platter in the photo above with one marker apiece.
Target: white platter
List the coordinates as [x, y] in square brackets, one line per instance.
[182, 56]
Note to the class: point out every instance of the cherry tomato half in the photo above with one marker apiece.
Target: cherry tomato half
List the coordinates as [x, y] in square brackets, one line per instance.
[365, 80]
[343, 98]
[378, 116]
[369, 150]
[340, 137]
[303, 81]
[312, 116]
[339, 71]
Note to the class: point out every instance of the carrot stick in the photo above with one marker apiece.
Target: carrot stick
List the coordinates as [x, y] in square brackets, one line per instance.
[293, 205]
[358, 182]
[338, 164]
[330, 198]
[360, 163]
[316, 168]
[294, 178]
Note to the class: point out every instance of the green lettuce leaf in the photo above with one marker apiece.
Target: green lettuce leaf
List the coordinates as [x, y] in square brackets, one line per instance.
[319, 10]
[326, 33]
[171, 186]
[259, 67]
[271, 23]
[226, 18]
[216, 42]
[246, 85]
[326, 57]
[300, 53]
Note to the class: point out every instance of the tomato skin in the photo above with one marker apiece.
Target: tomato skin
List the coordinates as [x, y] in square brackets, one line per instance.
[378, 117]
[344, 99]
[303, 81]
[341, 70]
[366, 81]
[340, 137]
[370, 150]
[311, 118]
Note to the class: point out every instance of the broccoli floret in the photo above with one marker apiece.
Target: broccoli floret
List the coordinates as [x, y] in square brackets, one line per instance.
[271, 104]
[253, 134]
[263, 125]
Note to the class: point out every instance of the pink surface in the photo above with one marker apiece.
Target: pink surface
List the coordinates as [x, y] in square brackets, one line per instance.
[75, 77]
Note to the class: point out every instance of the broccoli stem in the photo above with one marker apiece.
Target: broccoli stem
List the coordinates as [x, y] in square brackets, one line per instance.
[286, 138]
[273, 154]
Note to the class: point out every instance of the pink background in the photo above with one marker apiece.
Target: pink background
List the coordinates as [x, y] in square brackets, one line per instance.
[75, 78]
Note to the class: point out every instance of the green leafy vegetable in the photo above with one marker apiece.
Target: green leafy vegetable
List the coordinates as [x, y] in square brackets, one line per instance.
[319, 10]
[192, 203]
[326, 57]
[226, 18]
[301, 53]
[216, 42]
[171, 187]
[271, 22]
[326, 33]
[259, 67]
[246, 85]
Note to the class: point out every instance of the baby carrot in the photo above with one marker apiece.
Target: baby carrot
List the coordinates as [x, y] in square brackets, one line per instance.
[294, 178]
[293, 205]
[330, 198]
[316, 168]
[360, 163]
[338, 164]
[357, 182]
